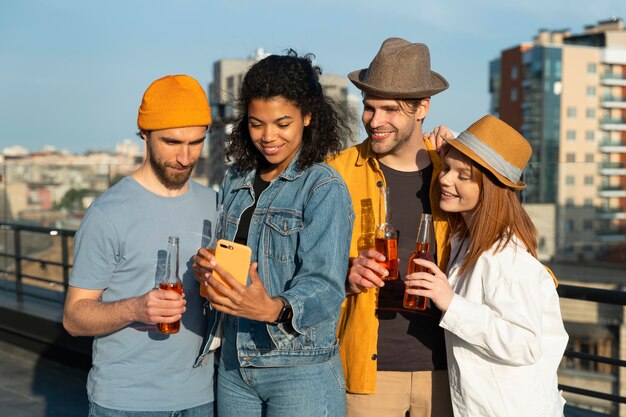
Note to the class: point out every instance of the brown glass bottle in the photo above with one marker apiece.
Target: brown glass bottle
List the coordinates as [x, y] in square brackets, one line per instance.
[422, 251]
[170, 281]
[386, 238]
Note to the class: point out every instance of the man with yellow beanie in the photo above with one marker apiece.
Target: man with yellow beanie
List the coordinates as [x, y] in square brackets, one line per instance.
[119, 252]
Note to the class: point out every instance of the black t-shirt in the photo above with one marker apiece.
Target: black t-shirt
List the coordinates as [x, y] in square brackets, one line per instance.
[407, 340]
[258, 186]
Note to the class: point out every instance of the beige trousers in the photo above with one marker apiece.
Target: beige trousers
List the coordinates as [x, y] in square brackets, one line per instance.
[404, 394]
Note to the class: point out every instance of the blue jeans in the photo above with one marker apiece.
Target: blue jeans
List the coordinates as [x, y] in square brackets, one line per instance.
[304, 391]
[205, 410]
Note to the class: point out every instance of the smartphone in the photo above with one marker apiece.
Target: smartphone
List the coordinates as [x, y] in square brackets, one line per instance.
[235, 258]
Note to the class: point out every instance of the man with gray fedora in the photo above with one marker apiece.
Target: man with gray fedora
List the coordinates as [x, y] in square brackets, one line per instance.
[394, 359]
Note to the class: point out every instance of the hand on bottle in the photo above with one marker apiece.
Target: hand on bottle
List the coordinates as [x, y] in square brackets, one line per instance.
[251, 302]
[433, 284]
[365, 271]
[159, 306]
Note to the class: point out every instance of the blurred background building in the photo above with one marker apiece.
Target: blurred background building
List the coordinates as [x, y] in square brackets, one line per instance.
[566, 93]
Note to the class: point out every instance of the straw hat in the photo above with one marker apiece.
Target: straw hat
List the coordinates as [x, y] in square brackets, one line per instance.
[400, 70]
[174, 101]
[497, 147]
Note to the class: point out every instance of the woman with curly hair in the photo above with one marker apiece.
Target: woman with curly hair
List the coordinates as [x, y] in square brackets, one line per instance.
[279, 350]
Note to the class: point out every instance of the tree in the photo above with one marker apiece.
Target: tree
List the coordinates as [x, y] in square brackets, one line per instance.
[73, 199]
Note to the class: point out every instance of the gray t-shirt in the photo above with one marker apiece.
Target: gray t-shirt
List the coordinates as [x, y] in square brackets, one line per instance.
[121, 247]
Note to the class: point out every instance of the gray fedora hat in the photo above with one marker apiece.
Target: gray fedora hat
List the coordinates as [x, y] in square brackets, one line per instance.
[400, 70]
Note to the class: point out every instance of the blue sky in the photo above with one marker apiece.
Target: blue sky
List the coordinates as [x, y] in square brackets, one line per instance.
[72, 72]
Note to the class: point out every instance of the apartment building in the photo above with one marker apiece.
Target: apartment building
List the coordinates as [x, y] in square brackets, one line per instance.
[223, 90]
[566, 93]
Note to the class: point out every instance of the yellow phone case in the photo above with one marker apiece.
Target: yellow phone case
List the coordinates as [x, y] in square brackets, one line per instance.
[235, 258]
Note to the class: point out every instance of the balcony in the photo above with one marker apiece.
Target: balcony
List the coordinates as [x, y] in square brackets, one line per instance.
[613, 124]
[614, 235]
[611, 191]
[615, 146]
[614, 79]
[612, 213]
[613, 102]
[612, 168]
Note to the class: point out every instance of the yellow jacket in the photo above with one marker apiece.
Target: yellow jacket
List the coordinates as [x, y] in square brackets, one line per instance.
[358, 325]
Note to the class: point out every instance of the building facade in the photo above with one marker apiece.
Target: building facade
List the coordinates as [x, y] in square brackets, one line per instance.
[566, 93]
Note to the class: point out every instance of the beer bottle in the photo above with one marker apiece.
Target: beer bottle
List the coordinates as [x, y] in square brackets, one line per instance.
[170, 281]
[422, 251]
[386, 238]
[368, 224]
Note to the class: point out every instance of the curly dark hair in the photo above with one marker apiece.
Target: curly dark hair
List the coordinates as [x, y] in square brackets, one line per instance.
[295, 79]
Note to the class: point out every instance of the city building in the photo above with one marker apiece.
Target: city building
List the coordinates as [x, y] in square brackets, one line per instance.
[566, 93]
[223, 90]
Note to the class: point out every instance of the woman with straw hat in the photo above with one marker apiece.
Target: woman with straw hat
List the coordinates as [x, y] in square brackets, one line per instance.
[504, 332]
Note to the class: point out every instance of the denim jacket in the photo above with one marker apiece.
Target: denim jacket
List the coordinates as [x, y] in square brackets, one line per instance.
[300, 236]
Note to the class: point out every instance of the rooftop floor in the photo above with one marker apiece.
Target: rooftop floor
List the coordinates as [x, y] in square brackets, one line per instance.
[31, 386]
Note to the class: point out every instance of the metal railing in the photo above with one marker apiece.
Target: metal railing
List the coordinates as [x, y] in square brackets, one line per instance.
[13, 259]
[603, 297]
[17, 260]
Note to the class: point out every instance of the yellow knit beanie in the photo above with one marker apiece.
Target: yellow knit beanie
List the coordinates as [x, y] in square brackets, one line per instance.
[174, 101]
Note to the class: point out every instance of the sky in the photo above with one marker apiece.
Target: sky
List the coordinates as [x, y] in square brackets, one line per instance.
[72, 72]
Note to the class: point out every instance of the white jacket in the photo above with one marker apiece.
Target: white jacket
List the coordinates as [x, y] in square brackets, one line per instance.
[504, 336]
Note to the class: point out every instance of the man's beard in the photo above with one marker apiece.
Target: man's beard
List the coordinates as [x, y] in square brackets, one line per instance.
[169, 180]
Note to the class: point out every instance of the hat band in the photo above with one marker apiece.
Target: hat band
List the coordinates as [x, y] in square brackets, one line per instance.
[494, 159]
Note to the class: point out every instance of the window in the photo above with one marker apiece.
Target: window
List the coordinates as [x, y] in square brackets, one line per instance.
[588, 180]
[588, 157]
[588, 225]
[590, 135]
[513, 94]
[569, 225]
[569, 180]
[571, 135]
[591, 68]
[590, 113]
[569, 202]
[514, 72]
[571, 112]
[591, 91]
[588, 202]
[570, 157]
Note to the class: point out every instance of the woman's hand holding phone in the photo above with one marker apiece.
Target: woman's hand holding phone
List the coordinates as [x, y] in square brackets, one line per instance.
[251, 302]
